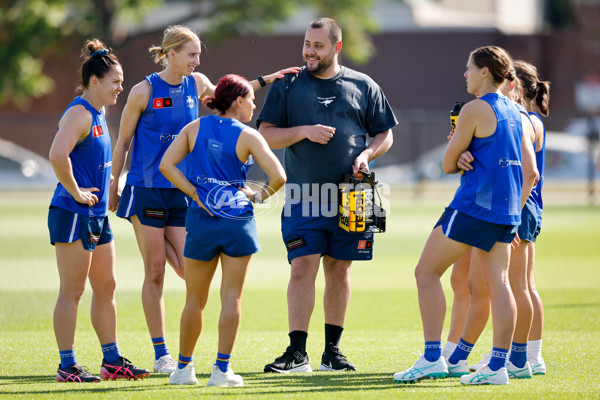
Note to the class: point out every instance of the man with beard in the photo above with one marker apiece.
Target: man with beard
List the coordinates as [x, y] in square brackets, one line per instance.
[322, 118]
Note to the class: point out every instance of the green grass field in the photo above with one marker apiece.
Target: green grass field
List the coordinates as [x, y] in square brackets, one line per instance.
[383, 329]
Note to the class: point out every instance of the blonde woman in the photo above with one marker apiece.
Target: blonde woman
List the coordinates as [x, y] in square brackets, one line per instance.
[157, 109]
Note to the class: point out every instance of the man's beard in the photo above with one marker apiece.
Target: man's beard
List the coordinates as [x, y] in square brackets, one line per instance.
[322, 66]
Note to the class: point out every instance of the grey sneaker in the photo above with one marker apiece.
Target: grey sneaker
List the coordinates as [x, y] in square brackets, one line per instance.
[220, 378]
[165, 365]
[184, 376]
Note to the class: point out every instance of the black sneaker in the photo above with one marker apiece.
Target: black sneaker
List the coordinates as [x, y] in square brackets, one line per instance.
[290, 361]
[75, 373]
[334, 360]
[122, 368]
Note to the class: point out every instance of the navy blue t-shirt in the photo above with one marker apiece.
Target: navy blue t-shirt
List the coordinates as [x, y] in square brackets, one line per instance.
[351, 102]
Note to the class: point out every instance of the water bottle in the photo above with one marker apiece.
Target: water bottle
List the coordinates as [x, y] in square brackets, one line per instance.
[454, 113]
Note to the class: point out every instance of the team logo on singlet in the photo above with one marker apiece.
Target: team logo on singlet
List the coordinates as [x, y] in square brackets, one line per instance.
[190, 102]
[326, 101]
[163, 102]
[97, 131]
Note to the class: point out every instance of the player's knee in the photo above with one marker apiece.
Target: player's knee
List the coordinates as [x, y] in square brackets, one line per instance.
[425, 275]
[155, 274]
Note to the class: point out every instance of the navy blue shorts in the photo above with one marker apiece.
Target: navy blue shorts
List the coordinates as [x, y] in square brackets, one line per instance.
[68, 227]
[157, 207]
[306, 235]
[528, 230]
[474, 232]
[209, 236]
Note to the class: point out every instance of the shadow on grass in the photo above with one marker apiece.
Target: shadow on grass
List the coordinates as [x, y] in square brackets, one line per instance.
[330, 382]
[255, 383]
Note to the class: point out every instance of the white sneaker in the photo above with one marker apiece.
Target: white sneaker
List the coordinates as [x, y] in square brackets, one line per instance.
[515, 372]
[220, 378]
[537, 367]
[459, 369]
[184, 376]
[485, 360]
[165, 365]
[423, 369]
[485, 376]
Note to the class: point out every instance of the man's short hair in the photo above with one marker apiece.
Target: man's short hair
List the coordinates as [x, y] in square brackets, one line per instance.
[335, 32]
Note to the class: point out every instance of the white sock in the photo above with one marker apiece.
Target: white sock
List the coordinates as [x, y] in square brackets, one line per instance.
[448, 349]
[534, 350]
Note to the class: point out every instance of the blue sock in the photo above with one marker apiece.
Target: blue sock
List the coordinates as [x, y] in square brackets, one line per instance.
[498, 359]
[433, 351]
[160, 347]
[184, 361]
[223, 361]
[111, 352]
[462, 351]
[67, 358]
[518, 354]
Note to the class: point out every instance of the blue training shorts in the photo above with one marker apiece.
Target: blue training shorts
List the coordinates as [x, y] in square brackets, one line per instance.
[157, 207]
[209, 236]
[306, 235]
[474, 232]
[528, 230]
[68, 227]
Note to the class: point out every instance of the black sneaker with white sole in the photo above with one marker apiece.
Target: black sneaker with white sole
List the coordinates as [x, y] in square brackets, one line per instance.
[334, 360]
[290, 361]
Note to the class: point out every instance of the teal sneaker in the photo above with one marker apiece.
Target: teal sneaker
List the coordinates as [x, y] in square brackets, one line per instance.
[537, 367]
[459, 369]
[515, 372]
[485, 376]
[423, 369]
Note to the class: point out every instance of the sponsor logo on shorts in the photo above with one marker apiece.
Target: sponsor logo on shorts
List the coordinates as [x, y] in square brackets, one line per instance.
[153, 213]
[365, 244]
[295, 243]
[93, 238]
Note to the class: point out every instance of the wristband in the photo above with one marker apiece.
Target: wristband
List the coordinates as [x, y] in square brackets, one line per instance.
[258, 197]
[261, 80]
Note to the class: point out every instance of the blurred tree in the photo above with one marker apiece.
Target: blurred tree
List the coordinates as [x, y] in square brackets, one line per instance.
[240, 17]
[31, 29]
[558, 13]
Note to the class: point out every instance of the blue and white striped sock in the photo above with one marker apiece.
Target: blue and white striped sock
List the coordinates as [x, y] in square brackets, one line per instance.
[498, 359]
[67, 358]
[461, 352]
[433, 350]
[518, 354]
[110, 351]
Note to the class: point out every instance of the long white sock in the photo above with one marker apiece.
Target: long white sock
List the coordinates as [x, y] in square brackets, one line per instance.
[534, 350]
[448, 349]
